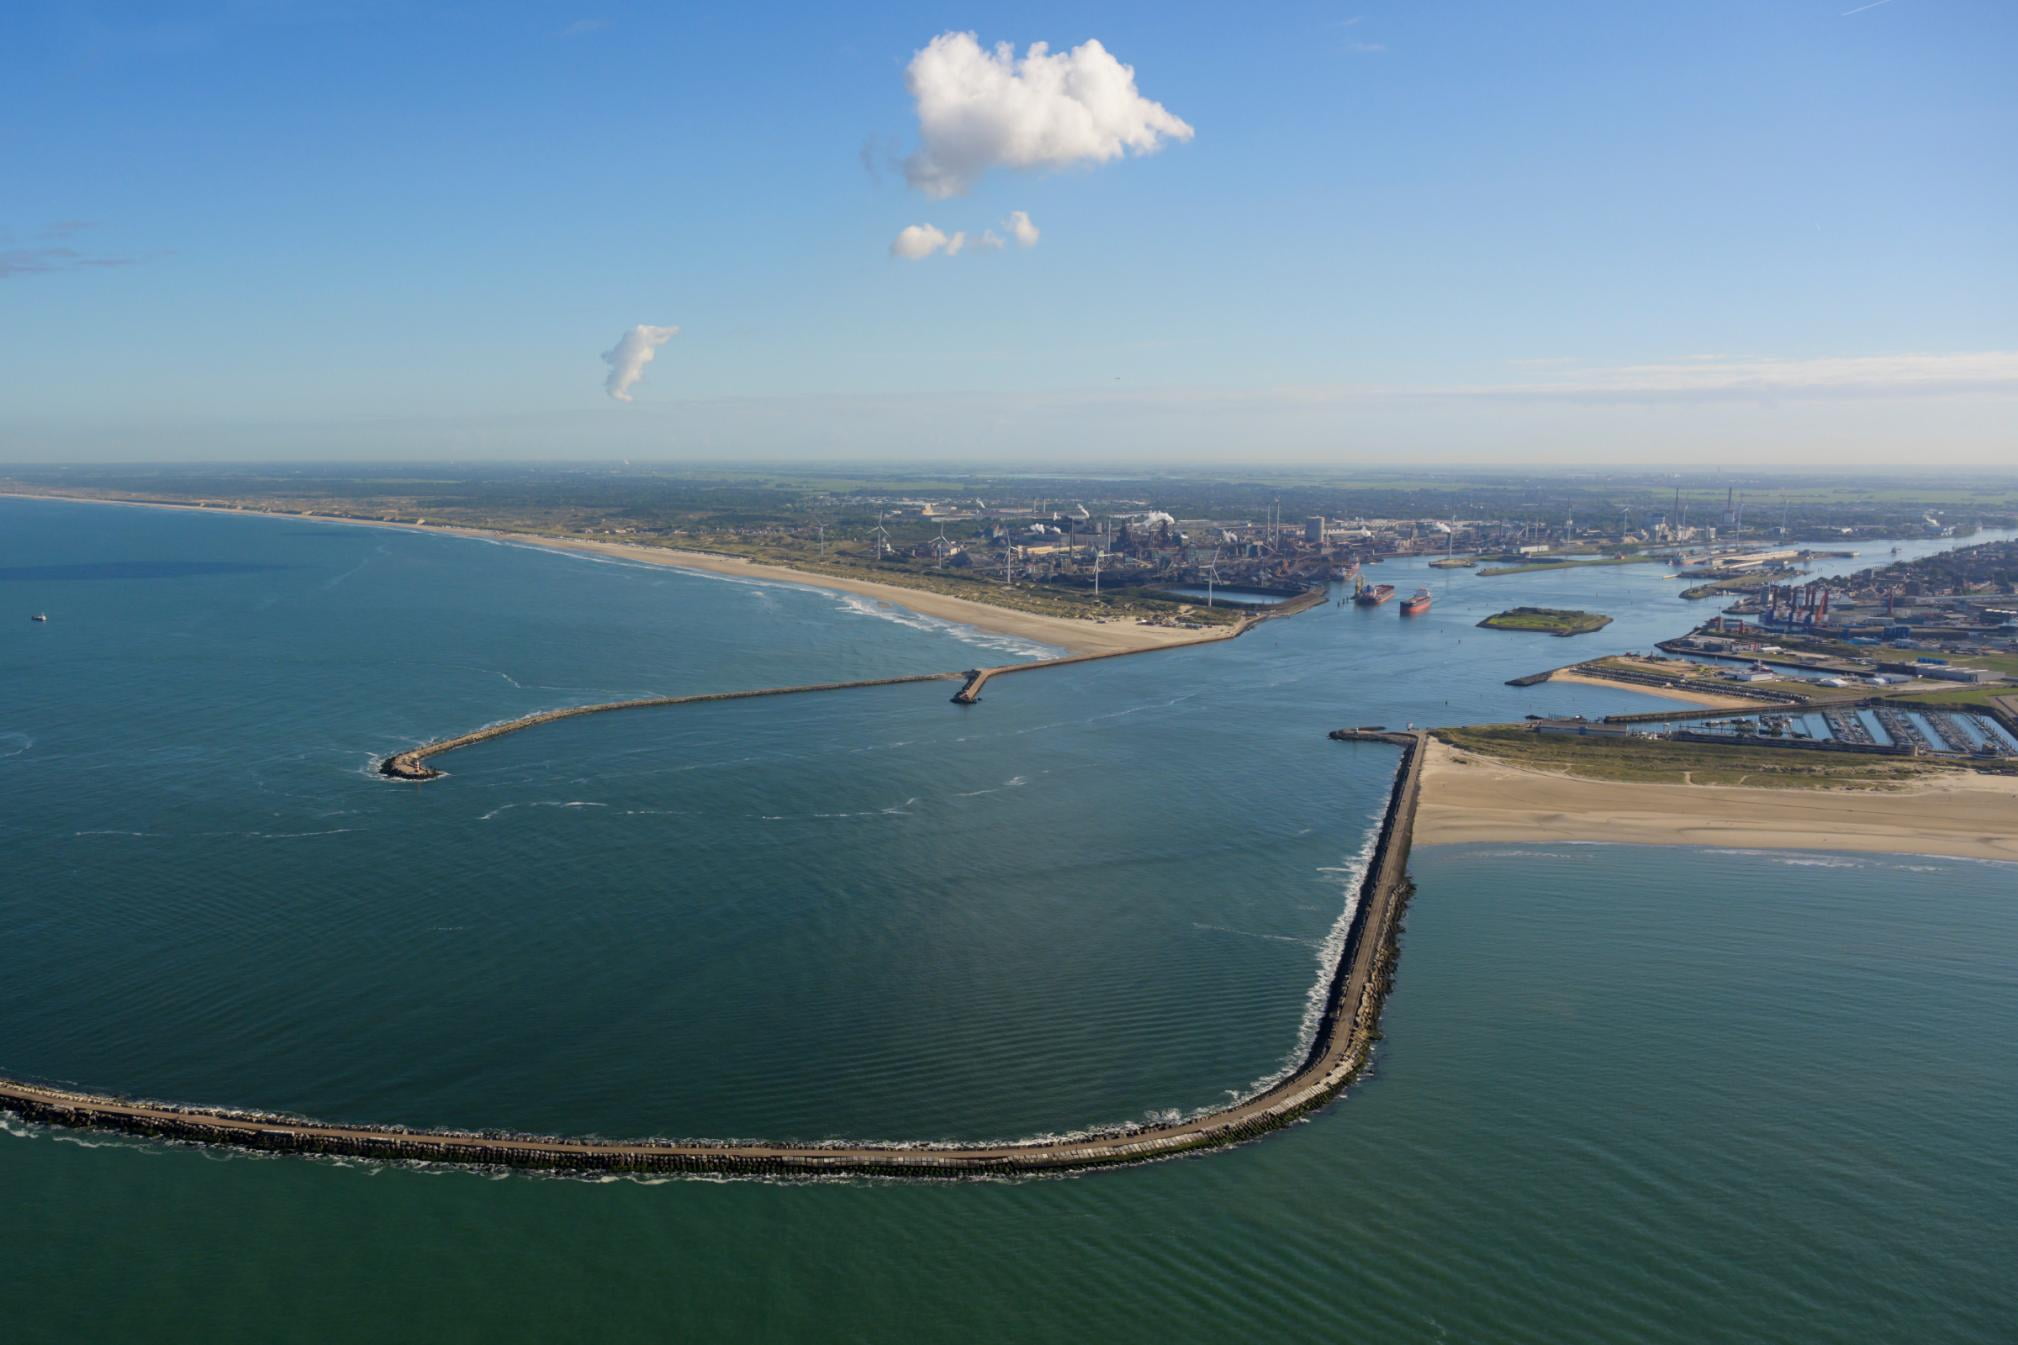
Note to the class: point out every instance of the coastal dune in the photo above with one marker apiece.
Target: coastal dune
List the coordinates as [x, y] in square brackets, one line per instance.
[1470, 798]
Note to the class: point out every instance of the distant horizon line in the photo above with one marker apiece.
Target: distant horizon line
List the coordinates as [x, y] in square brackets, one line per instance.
[967, 469]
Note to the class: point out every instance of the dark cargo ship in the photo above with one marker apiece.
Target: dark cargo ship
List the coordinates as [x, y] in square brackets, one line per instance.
[1371, 595]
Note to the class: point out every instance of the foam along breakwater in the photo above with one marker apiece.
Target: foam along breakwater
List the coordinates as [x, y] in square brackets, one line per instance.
[977, 678]
[1354, 993]
[412, 763]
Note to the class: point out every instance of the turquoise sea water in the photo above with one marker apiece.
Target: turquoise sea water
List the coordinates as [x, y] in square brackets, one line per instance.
[1624, 1094]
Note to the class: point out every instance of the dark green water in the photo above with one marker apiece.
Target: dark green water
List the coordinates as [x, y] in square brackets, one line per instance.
[1624, 1094]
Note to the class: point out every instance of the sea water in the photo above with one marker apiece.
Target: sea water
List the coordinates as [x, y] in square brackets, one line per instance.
[1664, 1095]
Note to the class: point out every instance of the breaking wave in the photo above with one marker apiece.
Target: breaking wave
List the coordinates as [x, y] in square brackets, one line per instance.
[858, 605]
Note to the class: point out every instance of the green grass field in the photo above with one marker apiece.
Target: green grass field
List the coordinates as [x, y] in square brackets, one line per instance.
[1964, 696]
[1547, 620]
[1642, 760]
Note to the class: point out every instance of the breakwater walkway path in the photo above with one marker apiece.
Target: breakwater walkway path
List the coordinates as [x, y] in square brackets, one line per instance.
[1354, 993]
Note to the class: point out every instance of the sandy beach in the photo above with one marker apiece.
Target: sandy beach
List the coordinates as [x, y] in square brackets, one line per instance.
[1709, 700]
[1071, 635]
[1468, 798]
[1067, 633]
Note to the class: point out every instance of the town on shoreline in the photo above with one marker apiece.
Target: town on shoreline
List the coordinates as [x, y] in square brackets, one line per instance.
[1091, 565]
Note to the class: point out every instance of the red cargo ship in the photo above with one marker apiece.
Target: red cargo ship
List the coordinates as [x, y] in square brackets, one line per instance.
[1417, 605]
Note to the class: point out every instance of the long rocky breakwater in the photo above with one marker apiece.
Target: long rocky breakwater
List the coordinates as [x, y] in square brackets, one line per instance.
[1354, 993]
[412, 763]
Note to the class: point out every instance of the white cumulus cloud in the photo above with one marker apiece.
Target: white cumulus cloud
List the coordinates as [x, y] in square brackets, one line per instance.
[633, 351]
[979, 109]
[916, 242]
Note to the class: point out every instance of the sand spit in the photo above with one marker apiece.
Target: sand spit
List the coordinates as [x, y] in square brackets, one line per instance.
[1709, 700]
[1472, 798]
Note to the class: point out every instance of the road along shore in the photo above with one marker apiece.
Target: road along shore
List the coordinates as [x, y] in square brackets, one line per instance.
[1470, 798]
[1355, 991]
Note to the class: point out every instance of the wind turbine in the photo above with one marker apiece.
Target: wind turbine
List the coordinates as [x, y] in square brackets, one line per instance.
[882, 538]
[940, 545]
[1211, 575]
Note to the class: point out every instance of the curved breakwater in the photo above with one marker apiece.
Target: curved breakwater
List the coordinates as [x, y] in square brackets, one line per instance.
[1354, 994]
[412, 763]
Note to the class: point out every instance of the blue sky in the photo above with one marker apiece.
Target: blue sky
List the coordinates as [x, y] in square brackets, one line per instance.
[1768, 230]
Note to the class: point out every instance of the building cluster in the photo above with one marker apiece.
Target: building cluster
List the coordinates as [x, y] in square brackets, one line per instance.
[1877, 640]
[1143, 545]
[1135, 543]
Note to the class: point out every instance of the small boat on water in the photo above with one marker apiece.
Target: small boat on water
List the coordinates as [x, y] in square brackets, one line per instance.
[39, 616]
[1416, 605]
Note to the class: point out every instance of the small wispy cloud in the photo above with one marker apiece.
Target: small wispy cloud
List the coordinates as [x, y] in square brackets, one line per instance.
[583, 27]
[1861, 8]
[1769, 376]
[627, 359]
[916, 242]
[1707, 378]
[1021, 229]
[42, 261]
